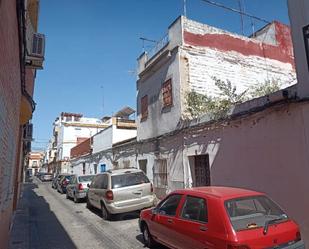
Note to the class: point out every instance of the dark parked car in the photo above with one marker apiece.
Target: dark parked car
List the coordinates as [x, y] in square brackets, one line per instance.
[63, 182]
[77, 188]
[56, 180]
[217, 218]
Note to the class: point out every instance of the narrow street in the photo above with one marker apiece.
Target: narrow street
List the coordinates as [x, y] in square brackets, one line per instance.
[47, 220]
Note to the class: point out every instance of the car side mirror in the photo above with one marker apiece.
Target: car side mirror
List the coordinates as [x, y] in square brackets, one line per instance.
[154, 211]
[88, 185]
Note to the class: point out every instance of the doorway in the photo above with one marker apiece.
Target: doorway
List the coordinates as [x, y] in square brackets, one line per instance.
[201, 171]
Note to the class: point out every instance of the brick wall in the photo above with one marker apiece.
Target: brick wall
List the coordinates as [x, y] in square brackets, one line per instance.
[10, 95]
[82, 149]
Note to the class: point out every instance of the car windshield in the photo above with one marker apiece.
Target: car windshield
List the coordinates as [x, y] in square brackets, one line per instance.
[129, 179]
[85, 178]
[252, 212]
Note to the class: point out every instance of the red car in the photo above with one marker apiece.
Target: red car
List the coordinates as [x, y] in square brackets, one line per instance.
[219, 218]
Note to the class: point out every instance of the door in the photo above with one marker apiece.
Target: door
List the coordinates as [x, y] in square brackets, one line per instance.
[192, 225]
[103, 168]
[70, 187]
[201, 171]
[92, 191]
[162, 226]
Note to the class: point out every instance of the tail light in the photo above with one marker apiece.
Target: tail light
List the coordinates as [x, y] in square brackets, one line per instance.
[238, 247]
[80, 186]
[109, 195]
[298, 236]
[151, 188]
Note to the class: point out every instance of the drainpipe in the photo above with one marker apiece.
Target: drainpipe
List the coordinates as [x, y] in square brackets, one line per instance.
[20, 8]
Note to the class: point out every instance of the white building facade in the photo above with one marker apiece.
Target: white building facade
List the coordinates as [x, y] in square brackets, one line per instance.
[192, 56]
[101, 156]
[69, 130]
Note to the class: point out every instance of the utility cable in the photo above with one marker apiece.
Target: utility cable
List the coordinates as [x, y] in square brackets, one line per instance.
[235, 10]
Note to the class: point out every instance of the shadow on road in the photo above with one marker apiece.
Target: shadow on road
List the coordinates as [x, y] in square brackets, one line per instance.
[36, 225]
[140, 238]
[117, 217]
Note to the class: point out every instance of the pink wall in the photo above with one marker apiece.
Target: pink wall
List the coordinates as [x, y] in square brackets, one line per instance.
[267, 152]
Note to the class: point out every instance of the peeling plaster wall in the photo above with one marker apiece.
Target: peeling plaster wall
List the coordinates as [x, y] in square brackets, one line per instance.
[212, 52]
[159, 119]
[242, 71]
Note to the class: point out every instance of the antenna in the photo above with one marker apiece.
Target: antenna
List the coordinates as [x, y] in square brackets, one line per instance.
[185, 8]
[241, 16]
[102, 87]
[147, 40]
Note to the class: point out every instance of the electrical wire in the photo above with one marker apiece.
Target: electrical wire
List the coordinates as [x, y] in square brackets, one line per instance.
[235, 10]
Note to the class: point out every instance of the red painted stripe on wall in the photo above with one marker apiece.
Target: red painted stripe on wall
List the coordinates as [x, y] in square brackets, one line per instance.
[224, 42]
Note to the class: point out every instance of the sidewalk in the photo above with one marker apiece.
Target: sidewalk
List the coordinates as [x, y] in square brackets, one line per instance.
[35, 226]
[20, 233]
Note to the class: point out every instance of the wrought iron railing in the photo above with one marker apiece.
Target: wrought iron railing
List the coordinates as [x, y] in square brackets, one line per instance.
[158, 46]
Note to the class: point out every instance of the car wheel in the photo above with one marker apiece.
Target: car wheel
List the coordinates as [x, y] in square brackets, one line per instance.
[105, 214]
[75, 198]
[88, 205]
[148, 240]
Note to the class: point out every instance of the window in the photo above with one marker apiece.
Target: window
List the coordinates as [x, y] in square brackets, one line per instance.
[85, 178]
[167, 93]
[101, 182]
[160, 173]
[195, 208]
[102, 167]
[306, 39]
[129, 179]
[253, 211]
[143, 165]
[84, 168]
[94, 183]
[69, 118]
[169, 206]
[95, 168]
[144, 108]
[126, 164]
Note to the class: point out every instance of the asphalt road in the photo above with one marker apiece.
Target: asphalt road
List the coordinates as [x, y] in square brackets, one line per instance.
[59, 223]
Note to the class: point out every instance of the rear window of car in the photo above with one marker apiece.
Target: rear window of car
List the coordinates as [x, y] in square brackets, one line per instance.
[252, 212]
[85, 178]
[68, 177]
[128, 179]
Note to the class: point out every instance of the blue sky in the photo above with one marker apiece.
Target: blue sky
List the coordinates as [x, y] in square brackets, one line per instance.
[92, 46]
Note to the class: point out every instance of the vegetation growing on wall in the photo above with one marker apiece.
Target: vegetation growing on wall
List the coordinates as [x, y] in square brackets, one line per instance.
[218, 107]
[266, 88]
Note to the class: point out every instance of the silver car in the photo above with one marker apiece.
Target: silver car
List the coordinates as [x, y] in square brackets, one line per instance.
[78, 187]
[120, 191]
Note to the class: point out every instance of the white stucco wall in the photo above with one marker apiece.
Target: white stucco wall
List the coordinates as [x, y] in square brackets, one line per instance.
[159, 120]
[122, 134]
[103, 140]
[67, 138]
[299, 17]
